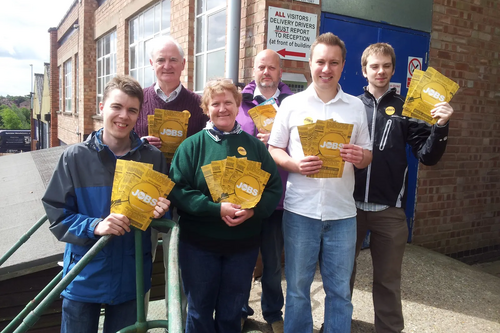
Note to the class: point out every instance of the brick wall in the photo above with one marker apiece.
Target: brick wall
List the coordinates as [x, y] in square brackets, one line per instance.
[458, 204]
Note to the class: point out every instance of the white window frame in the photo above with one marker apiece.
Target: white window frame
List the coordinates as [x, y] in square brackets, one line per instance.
[68, 83]
[203, 16]
[60, 88]
[105, 64]
[141, 40]
[77, 85]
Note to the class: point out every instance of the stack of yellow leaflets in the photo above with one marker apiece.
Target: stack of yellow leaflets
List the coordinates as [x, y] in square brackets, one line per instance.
[263, 116]
[426, 90]
[171, 127]
[324, 139]
[136, 189]
[236, 180]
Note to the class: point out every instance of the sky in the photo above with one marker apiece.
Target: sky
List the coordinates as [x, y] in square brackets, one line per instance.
[24, 40]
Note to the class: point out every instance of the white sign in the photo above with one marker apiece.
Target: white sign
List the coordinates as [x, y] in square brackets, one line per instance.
[396, 85]
[316, 2]
[291, 33]
[413, 63]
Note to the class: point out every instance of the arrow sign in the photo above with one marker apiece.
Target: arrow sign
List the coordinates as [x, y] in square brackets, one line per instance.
[284, 53]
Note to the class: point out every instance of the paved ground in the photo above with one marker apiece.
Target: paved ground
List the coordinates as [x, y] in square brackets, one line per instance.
[440, 294]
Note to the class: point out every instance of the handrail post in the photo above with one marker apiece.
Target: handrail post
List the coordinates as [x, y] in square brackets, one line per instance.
[23, 239]
[34, 315]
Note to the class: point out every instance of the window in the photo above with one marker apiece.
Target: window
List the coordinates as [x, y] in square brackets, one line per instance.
[151, 23]
[210, 38]
[77, 85]
[60, 88]
[106, 63]
[67, 86]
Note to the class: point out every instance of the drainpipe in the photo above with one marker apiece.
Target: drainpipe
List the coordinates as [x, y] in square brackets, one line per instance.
[233, 39]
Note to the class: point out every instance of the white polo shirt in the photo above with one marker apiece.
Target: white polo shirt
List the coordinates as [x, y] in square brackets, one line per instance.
[319, 198]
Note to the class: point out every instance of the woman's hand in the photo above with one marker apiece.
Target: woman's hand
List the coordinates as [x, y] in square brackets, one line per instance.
[228, 209]
[161, 207]
[240, 217]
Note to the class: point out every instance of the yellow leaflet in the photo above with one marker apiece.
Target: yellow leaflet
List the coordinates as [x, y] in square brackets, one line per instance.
[171, 127]
[152, 130]
[228, 172]
[263, 116]
[139, 188]
[214, 187]
[431, 88]
[305, 133]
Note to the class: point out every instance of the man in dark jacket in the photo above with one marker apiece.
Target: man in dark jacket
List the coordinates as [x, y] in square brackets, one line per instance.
[267, 85]
[78, 201]
[380, 190]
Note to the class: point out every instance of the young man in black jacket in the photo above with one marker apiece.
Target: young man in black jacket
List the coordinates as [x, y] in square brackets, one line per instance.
[381, 188]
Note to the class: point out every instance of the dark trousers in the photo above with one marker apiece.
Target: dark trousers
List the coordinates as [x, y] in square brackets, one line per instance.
[217, 283]
[80, 317]
[389, 234]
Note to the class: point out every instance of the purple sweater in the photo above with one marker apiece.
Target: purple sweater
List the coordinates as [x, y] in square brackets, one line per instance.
[187, 100]
[246, 122]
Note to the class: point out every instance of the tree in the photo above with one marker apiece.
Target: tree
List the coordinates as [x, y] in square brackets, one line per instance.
[10, 119]
[14, 117]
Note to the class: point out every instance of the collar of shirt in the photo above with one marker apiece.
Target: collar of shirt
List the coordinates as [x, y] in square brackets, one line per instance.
[340, 95]
[164, 96]
[258, 93]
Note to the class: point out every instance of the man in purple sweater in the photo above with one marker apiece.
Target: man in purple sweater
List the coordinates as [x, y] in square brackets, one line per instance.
[168, 93]
[267, 84]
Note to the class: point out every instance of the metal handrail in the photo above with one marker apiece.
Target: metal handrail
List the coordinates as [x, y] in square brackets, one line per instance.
[23, 239]
[32, 312]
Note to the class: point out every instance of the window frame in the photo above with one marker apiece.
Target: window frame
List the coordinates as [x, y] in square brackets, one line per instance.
[103, 61]
[68, 84]
[203, 16]
[137, 43]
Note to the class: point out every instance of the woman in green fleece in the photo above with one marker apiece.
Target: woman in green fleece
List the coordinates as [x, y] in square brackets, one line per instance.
[219, 242]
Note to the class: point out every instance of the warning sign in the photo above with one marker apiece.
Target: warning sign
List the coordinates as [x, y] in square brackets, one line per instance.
[291, 33]
[413, 63]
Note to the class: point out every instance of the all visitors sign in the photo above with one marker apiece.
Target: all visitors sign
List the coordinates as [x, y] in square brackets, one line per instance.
[291, 33]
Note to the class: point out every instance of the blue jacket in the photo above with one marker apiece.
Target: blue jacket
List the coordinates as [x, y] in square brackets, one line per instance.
[77, 197]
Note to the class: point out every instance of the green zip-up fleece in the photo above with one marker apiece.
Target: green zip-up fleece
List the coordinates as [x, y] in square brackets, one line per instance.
[199, 217]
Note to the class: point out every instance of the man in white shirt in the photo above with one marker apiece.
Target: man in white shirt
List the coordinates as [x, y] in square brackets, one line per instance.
[320, 214]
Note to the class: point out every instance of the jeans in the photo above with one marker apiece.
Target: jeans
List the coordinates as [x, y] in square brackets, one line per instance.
[333, 242]
[80, 317]
[215, 282]
[271, 248]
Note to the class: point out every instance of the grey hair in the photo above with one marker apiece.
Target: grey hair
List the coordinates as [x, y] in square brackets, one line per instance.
[160, 42]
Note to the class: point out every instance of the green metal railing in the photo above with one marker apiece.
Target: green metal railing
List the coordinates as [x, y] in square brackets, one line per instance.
[34, 309]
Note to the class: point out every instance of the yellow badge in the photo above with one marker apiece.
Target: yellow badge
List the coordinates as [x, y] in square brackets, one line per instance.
[308, 120]
[390, 110]
[242, 151]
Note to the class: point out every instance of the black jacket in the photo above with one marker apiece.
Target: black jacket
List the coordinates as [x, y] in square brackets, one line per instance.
[385, 180]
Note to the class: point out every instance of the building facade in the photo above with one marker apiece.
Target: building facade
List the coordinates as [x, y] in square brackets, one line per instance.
[457, 207]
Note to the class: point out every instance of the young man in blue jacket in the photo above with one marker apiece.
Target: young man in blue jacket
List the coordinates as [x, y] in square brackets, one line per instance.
[381, 188]
[77, 202]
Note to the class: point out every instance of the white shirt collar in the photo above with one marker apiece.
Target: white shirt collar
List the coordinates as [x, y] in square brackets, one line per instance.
[164, 96]
[340, 94]
[257, 92]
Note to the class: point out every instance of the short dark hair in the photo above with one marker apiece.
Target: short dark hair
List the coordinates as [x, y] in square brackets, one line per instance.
[378, 48]
[329, 39]
[127, 84]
